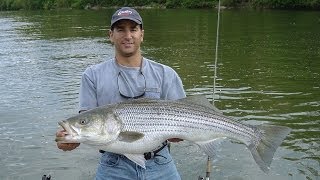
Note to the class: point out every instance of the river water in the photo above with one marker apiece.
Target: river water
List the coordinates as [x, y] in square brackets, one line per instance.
[268, 72]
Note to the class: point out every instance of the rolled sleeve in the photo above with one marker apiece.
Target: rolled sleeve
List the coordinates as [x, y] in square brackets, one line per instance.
[173, 87]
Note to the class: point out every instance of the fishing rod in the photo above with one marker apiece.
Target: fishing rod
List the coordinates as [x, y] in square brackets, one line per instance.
[209, 160]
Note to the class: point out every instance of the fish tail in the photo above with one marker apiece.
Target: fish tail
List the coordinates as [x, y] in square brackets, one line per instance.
[267, 140]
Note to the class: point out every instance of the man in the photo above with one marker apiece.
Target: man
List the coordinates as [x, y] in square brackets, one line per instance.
[129, 75]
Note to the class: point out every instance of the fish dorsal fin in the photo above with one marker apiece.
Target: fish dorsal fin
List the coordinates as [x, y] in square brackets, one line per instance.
[202, 101]
[137, 158]
[130, 136]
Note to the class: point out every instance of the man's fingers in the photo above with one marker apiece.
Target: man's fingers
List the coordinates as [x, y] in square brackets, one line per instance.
[61, 133]
[67, 146]
[175, 140]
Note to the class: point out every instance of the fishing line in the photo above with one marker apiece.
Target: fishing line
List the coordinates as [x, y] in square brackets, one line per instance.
[216, 55]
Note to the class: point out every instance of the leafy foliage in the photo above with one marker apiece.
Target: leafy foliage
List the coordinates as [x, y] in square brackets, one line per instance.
[82, 4]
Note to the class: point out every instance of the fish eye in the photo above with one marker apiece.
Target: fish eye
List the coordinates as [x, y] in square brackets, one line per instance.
[83, 121]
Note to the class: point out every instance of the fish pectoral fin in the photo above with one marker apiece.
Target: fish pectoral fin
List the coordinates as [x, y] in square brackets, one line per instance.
[211, 147]
[130, 136]
[137, 158]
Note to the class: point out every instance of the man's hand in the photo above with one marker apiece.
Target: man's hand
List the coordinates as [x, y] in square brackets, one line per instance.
[175, 140]
[65, 146]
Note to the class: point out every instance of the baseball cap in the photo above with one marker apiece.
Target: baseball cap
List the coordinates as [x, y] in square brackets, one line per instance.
[126, 13]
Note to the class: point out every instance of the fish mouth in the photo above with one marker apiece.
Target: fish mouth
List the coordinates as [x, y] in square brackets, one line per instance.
[71, 133]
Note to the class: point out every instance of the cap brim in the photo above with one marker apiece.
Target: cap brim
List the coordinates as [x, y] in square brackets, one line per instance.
[127, 18]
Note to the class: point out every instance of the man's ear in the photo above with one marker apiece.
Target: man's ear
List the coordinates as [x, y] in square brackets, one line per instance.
[110, 35]
[142, 35]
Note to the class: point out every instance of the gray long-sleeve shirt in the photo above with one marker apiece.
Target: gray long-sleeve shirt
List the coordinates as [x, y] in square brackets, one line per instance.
[103, 83]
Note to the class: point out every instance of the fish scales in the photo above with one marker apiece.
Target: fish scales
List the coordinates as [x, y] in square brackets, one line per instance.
[177, 114]
[182, 120]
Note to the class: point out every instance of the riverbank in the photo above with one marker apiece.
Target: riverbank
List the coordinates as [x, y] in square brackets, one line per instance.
[99, 4]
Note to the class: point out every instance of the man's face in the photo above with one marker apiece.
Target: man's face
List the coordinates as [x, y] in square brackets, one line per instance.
[126, 37]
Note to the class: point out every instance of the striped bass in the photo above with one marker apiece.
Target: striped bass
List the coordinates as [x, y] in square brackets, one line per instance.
[137, 126]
